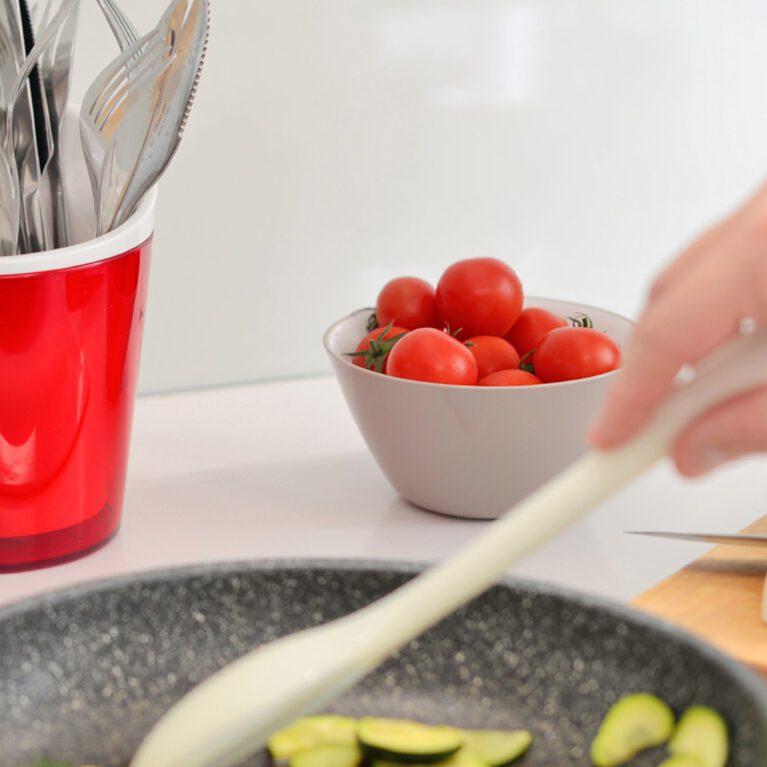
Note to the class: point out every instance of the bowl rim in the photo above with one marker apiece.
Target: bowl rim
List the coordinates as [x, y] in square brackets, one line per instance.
[499, 390]
[742, 675]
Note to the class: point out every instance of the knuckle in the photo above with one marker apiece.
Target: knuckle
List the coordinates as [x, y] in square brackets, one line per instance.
[656, 339]
[751, 423]
[737, 427]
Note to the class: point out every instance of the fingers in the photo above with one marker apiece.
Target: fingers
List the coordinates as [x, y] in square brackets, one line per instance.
[683, 324]
[714, 239]
[692, 312]
[730, 430]
[681, 264]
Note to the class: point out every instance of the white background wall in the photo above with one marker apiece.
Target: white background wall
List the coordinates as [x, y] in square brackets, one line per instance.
[337, 143]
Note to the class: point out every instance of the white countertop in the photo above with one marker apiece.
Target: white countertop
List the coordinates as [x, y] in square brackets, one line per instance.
[278, 470]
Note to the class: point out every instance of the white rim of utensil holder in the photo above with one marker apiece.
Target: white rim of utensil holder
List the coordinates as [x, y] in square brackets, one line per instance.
[129, 235]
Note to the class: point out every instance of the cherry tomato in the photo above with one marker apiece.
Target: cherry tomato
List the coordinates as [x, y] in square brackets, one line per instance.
[492, 354]
[373, 350]
[568, 353]
[409, 303]
[531, 326]
[481, 296]
[427, 354]
[510, 378]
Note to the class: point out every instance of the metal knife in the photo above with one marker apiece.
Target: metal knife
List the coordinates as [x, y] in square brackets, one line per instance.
[35, 87]
[736, 539]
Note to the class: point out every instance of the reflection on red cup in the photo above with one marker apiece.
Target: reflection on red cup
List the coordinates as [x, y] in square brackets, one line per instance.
[71, 322]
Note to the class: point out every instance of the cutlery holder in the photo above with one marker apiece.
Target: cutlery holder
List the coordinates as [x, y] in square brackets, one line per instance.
[71, 323]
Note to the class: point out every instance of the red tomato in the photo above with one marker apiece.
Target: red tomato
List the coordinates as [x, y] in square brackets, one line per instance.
[427, 354]
[510, 378]
[492, 354]
[481, 296]
[568, 353]
[409, 303]
[530, 328]
[373, 350]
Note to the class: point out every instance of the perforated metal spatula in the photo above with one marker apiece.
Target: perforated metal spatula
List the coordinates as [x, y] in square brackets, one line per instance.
[230, 715]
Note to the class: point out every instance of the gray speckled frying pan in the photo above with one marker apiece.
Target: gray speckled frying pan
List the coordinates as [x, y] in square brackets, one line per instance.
[85, 672]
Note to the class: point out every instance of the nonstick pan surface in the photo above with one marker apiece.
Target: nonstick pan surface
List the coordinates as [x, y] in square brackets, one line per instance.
[85, 672]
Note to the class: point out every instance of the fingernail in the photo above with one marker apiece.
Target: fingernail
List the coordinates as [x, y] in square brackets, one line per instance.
[704, 460]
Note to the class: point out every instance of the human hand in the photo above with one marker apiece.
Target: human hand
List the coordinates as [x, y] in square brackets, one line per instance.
[699, 302]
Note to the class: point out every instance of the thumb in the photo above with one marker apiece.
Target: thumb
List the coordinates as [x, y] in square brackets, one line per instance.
[728, 431]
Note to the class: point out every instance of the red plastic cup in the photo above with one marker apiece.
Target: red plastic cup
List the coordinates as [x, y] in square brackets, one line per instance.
[71, 322]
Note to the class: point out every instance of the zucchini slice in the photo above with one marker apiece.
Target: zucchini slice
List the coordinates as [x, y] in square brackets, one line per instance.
[51, 763]
[681, 761]
[310, 732]
[459, 759]
[54, 763]
[496, 748]
[398, 740]
[701, 733]
[633, 724]
[329, 755]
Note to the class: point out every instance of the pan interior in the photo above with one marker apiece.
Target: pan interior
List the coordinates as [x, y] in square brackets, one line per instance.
[83, 677]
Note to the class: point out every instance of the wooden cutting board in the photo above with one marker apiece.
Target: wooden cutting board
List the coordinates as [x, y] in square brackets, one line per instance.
[719, 597]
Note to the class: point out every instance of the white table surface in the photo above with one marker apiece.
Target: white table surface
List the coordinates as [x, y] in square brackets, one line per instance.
[279, 470]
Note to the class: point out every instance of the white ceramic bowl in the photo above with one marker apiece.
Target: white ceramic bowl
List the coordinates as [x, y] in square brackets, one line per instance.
[470, 451]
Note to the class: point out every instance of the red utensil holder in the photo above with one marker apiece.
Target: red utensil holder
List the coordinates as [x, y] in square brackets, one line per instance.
[71, 323]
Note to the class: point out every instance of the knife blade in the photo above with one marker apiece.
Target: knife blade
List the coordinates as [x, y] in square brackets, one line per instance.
[736, 539]
[35, 87]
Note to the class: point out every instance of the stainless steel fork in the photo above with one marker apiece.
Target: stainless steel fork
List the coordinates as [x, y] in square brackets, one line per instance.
[122, 28]
[187, 35]
[115, 107]
[134, 114]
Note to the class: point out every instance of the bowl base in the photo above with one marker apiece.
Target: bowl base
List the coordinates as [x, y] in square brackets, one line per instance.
[453, 514]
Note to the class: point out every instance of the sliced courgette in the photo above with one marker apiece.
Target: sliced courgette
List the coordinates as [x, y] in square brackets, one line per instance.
[701, 733]
[310, 732]
[55, 763]
[329, 755]
[398, 740]
[496, 748]
[681, 761]
[633, 724]
[460, 759]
